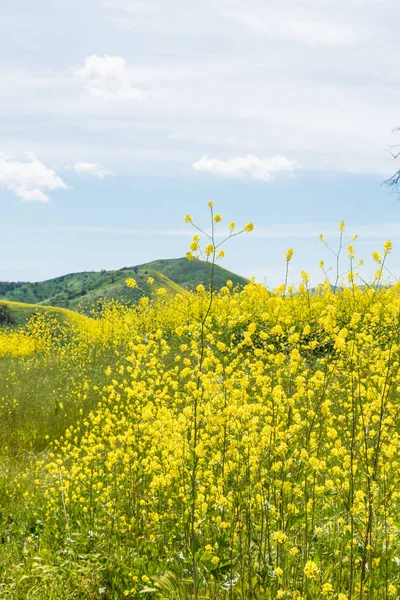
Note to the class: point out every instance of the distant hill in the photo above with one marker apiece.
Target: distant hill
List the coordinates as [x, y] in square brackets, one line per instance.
[83, 289]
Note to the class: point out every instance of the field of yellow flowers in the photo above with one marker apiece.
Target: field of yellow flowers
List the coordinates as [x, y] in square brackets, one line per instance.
[239, 444]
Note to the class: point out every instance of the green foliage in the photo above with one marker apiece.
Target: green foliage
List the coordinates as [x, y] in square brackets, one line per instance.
[5, 315]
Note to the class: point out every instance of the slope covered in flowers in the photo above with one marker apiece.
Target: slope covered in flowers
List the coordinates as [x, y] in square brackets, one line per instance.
[239, 444]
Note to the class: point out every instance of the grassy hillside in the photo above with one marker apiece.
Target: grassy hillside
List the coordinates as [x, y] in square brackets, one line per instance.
[17, 313]
[190, 273]
[82, 289]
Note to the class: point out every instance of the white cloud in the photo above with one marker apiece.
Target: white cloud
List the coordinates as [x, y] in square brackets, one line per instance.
[29, 180]
[90, 170]
[227, 78]
[108, 77]
[246, 166]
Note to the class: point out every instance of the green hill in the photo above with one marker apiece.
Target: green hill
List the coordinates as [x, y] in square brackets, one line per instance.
[83, 289]
[18, 313]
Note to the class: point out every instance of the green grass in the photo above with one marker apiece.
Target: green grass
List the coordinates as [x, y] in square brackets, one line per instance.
[20, 312]
[84, 289]
[39, 397]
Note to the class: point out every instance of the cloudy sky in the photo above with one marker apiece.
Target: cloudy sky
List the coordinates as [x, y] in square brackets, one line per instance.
[117, 117]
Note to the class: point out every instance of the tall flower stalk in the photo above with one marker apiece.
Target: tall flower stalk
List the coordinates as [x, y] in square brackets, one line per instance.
[211, 252]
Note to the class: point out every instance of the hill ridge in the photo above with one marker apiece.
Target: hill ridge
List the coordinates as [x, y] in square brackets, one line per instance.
[86, 287]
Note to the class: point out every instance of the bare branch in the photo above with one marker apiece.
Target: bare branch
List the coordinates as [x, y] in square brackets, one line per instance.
[394, 181]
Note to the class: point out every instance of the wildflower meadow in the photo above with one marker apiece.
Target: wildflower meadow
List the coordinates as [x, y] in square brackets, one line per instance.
[239, 443]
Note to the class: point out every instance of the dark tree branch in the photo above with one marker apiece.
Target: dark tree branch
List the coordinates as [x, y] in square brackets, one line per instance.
[394, 181]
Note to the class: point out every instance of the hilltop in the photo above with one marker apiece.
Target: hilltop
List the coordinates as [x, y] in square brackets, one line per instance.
[76, 290]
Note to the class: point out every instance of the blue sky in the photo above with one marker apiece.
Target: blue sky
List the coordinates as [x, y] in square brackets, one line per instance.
[120, 116]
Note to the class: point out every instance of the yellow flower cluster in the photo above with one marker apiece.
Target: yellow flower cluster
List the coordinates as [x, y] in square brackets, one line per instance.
[16, 344]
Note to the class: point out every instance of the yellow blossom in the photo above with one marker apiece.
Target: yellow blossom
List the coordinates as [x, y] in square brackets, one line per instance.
[326, 589]
[305, 277]
[131, 283]
[387, 247]
[377, 257]
[279, 537]
[351, 252]
[311, 570]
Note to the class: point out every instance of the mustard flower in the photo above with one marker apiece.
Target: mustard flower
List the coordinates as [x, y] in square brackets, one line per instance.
[289, 254]
[305, 277]
[279, 537]
[376, 257]
[311, 570]
[131, 283]
[387, 247]
[351, 252]
[326, 589]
